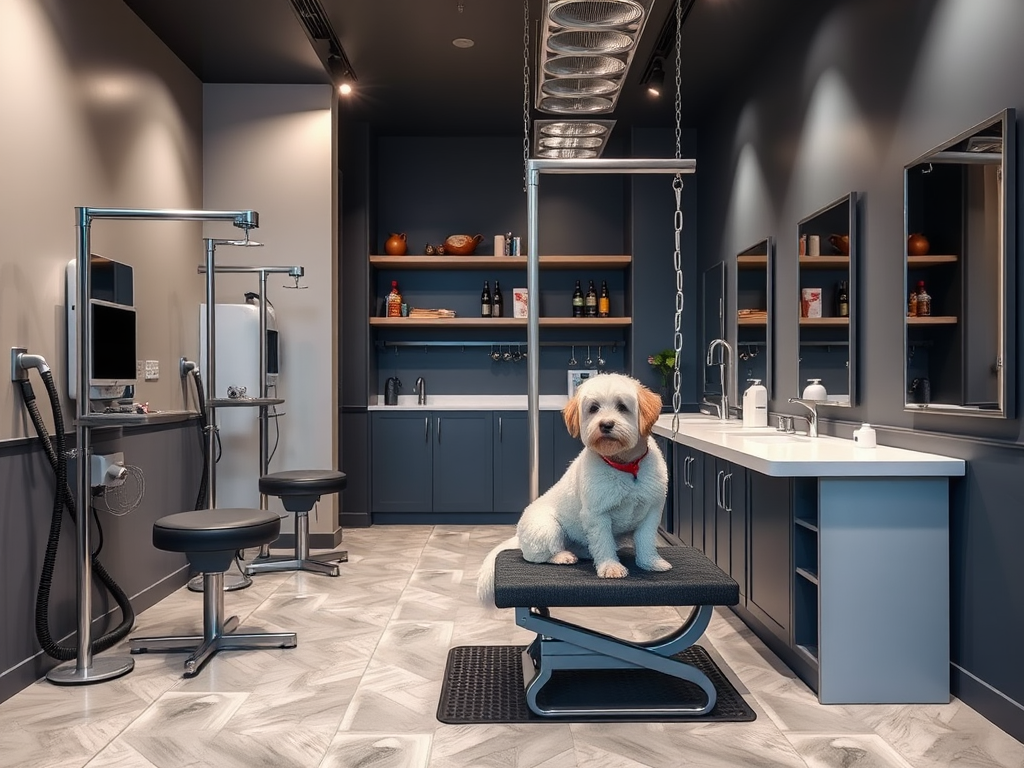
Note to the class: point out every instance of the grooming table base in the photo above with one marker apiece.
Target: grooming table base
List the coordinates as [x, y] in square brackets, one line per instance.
[484, 684]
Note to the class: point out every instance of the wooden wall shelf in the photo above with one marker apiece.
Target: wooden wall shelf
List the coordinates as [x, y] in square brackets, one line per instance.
[835, 322]
[932, 320]
[825, 262]
[499, 262]
[915, 262]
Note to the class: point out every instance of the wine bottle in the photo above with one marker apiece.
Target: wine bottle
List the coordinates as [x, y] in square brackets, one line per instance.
[577, 301]
[590, 303]
[604, 303]
[485, 300]
[924, 301]
[394, 301]
[497, 303]
[842, 300]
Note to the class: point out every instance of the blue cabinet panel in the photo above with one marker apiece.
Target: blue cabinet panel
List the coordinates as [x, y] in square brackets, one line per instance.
[402, 468]
[463, 472]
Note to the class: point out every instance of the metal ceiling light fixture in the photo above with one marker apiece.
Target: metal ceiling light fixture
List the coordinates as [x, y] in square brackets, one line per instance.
[656, 81]
[325, 41]
[586, 48]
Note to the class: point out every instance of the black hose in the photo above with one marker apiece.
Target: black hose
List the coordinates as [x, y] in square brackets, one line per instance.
[202, 499]
[64, 498]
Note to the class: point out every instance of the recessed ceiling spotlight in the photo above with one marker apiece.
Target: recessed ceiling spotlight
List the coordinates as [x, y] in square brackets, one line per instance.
[345, 89]
[463, 42]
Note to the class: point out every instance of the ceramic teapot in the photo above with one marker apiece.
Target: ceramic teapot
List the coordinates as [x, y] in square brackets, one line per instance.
[917, 245]
[462, 245]
[841, 243]
[395, 245]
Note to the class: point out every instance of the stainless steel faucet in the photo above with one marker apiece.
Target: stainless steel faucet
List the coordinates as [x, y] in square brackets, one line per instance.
[812, 416]
[724, 361]
[421, 391]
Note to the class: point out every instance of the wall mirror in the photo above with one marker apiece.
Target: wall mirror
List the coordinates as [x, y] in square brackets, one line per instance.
[827, 296]
[960, 224]
[713, 324]
[752, 321]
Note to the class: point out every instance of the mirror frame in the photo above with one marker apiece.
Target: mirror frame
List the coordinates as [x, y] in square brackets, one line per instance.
[852, 202]
[734, 328]
[722, 288]
[1006, 293]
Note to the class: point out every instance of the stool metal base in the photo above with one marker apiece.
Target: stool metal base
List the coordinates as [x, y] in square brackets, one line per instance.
[232, 582]
[101, 669]
[218, 633]
[302, 560]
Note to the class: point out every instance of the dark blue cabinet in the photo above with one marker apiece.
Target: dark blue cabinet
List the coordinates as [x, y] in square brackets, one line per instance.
[402, 470]
[430, 462]
[463, 473]
[725, 517]
[771, 568]
[687, 481]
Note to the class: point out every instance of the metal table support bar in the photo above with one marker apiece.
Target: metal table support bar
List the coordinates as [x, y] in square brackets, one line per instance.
[84, 670]
[211, 270]
[534, 168]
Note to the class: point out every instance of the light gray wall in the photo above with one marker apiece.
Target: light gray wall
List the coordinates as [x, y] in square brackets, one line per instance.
[850, 92]
[272, 148]
[96, 113]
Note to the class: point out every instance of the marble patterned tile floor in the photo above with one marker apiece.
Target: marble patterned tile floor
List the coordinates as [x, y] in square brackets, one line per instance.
[362, 686]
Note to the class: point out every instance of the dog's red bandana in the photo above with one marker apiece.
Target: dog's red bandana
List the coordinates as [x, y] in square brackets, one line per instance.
[632, 467]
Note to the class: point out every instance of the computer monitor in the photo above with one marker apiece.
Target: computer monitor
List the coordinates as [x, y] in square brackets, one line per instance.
[113, 329]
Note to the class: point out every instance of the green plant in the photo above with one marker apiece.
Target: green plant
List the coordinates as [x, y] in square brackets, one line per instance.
[664, 363]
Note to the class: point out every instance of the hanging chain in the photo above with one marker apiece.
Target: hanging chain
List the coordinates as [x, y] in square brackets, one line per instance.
[677, 259]
[526, 88]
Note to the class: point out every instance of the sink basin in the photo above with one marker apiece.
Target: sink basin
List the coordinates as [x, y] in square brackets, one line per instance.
[782, 439]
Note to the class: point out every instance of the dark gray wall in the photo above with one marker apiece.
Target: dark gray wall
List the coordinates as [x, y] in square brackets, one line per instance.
[842, 100]
[171, 461]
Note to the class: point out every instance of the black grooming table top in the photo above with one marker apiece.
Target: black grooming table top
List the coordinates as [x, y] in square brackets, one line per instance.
[693, 580]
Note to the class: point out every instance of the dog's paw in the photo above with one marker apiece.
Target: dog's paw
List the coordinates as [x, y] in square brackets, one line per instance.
[612, 570]
[563, 558]
[660, 564]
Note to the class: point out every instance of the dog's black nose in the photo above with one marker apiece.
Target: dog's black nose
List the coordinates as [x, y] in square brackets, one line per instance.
[607, 426]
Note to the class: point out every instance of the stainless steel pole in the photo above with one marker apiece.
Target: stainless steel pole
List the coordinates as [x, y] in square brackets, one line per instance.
[533, 329]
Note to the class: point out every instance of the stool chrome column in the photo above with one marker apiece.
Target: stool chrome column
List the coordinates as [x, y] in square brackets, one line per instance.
[209, 539]
[299, 490]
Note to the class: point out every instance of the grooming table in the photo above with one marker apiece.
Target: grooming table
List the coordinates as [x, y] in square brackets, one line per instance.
[534, 588]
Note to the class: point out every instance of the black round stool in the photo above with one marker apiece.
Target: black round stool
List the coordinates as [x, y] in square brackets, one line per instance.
[209, 538]
[299, 490]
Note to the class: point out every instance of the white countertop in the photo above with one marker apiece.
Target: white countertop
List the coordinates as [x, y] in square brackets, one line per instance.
[774, 453]
[470, 403]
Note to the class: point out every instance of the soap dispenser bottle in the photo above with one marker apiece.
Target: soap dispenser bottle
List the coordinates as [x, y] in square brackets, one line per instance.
[755, 404]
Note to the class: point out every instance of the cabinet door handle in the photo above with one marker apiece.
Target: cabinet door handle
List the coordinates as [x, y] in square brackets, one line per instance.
[728, 504]
[720, 490]
[439, 429]
[689, 471]
[686, 471]
[499, 429]
[426, 429]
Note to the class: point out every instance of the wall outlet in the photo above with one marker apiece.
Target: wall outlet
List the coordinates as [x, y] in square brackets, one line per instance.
[152, 370]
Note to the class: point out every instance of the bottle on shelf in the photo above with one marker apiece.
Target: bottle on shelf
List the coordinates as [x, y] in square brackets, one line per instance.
[924, 301]
[497, 302]
[577, 301]
[842, 300]
[604, 303]
[394, 302]
[912, 304]
[590, 303]
[485, 300]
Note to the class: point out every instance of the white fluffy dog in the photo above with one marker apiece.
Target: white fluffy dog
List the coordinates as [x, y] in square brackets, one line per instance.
[613, 491]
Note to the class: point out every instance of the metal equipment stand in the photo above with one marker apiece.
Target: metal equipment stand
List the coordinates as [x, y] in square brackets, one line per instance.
[86, 669]
[239, 580]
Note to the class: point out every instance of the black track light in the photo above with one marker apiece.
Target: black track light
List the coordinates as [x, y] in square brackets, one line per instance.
[656, 82]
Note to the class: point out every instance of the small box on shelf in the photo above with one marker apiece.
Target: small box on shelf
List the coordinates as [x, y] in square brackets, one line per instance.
[519, 302]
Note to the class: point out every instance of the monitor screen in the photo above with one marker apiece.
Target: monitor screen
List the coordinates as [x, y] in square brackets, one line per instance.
[273, 362]
[113, 333]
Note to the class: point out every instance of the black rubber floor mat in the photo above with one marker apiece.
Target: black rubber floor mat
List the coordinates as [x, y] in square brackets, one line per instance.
[484, 684]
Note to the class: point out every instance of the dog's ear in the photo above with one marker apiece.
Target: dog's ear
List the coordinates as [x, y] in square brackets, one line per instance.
[571, 414]
[649, 407]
